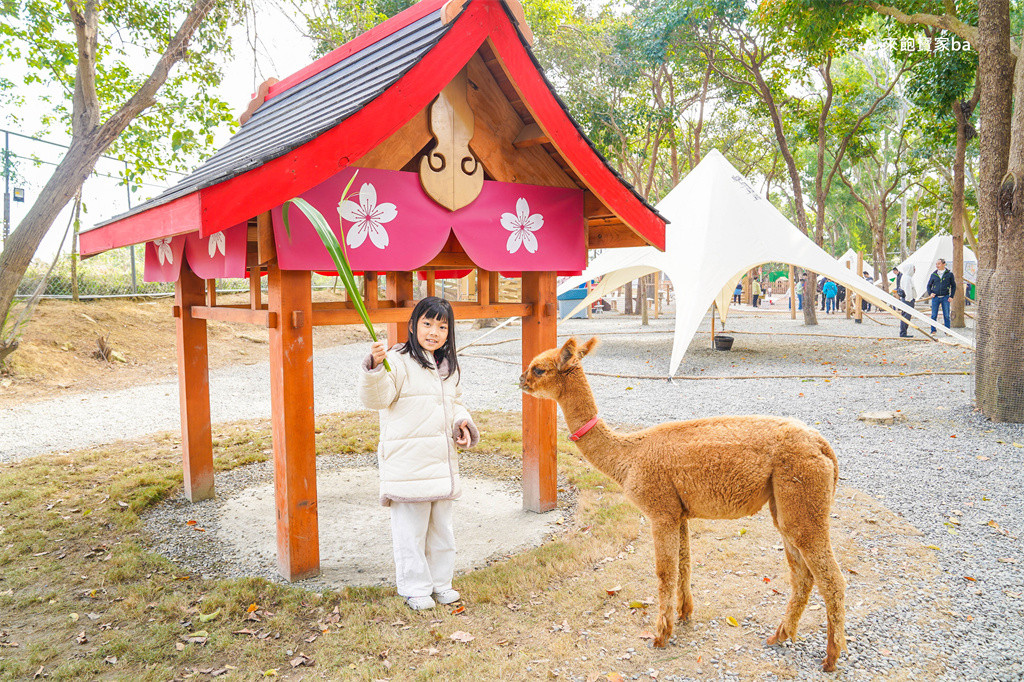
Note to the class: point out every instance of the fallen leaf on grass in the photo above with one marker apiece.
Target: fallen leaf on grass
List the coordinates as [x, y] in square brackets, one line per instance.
[301, 659]
[112, 660]
[637, 604]
[732, 621]
[244, 632]
[206, 618]
[81, 638]
[39, 673]
[458, 609]
[460, 636]
[935, 547]
[615, 677]
[252, 607]
[1007, 560]
[646, 635]
[270, 673]
[973, 580]
[191, 522]
[179, 646]
[612, 591]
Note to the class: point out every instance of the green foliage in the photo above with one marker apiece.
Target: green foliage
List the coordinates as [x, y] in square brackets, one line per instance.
[38, 42]
[332, 23]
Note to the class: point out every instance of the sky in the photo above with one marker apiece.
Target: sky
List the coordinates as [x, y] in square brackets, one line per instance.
[280, 50]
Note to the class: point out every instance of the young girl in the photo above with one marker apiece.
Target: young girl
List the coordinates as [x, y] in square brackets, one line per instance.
[422, 419]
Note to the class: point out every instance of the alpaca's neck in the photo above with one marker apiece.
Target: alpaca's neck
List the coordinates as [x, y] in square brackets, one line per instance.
[604, 448]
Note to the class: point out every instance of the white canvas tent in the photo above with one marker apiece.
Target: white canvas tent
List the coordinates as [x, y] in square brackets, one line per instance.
[720, 228]
[939, 246]
[851, 257]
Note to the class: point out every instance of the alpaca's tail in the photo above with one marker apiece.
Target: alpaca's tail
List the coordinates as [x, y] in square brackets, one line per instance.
[826, 450]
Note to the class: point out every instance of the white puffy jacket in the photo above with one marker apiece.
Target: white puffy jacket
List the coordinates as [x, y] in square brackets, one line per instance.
[420, 409]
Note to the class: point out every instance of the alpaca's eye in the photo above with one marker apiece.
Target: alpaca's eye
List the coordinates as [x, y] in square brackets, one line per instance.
[537, 371]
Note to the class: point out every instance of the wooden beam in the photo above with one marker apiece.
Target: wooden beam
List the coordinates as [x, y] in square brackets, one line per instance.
[451, 260]
[497, 125]
[530, 135]
[602, 235]
[261, 317]
[399, 290]
[193, 386]
[370, 295]
[291, 400]
[471, 311]
[400, 148]
[540, 470]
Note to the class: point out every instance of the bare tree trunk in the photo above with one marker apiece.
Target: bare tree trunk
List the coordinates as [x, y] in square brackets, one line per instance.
[89, 138]
[962, 113]
[999, 372]
[628, 303]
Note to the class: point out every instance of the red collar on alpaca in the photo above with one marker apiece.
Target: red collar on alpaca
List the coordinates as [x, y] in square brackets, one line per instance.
[583, 429]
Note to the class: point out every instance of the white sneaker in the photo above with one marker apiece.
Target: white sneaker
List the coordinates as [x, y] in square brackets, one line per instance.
[419, 603]
[447, 596]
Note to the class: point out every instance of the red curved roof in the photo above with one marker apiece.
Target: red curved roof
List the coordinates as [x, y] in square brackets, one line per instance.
[246, 191]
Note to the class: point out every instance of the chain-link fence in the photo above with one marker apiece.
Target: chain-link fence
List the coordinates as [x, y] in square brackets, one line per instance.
[114, 274]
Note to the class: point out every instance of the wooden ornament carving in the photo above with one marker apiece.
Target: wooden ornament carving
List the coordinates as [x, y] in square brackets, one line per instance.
[257, 100]
[450, 173]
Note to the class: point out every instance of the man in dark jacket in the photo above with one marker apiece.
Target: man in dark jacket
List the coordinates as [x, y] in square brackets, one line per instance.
[941, 287]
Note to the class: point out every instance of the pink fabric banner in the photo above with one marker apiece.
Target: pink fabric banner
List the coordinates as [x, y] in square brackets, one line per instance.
[163, 259]
[219, 256]
[391, 224]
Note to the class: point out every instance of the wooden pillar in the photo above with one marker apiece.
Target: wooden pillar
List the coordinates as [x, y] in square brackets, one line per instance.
[540, 474]
[431, 283]
[291, 400]
[193, 386]
[495, 286]
[483, 287]
[399, 290]
[255, 292]
[792, 294]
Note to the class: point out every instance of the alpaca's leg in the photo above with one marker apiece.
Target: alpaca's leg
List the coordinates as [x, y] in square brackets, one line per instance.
[684, 598]
[800, 578]
[802, 581]
[832, 585]
[666, 564]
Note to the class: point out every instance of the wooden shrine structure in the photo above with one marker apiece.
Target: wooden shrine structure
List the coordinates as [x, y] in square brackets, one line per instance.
[465, 160]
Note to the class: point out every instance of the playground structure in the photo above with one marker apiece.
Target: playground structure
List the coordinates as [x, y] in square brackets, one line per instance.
[462, 152]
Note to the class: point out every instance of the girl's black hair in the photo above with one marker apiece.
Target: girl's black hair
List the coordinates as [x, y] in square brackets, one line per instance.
[433, 308]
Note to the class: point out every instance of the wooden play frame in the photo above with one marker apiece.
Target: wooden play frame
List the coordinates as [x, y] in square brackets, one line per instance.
[521, 135]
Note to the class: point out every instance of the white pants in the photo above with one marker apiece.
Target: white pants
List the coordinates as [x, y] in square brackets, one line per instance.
[424, 547]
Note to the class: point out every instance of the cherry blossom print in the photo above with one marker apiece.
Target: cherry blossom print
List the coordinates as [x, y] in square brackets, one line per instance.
[163, 250]
[218, 242]
[367, 218]
[522, 225]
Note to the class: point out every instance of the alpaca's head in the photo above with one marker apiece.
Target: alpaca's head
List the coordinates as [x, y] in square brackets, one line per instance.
[546, 375]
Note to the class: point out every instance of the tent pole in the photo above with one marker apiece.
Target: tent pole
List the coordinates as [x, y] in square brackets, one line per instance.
[849, 295]
[714, 306]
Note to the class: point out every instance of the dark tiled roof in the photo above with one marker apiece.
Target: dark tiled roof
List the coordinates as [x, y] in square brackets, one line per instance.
[306, 110]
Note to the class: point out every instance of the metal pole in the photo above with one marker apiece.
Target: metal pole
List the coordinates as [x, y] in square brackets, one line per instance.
[131, 247]
[7, 185]
[903, 223]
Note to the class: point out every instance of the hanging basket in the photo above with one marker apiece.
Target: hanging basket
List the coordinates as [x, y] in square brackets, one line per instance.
[723, 342]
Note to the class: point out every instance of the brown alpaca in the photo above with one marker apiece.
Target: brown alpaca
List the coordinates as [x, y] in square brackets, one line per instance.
[715, 468]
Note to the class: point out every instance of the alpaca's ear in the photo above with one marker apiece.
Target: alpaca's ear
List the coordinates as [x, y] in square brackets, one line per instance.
[568, 352]
[584, 350]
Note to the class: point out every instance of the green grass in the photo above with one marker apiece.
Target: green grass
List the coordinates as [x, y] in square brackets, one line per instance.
[74, 558]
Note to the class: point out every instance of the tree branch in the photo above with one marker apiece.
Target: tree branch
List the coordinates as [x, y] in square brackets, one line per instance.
[947, 22]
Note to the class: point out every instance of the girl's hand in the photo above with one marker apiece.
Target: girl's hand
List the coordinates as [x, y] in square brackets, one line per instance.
[377, 353]
[464, 435]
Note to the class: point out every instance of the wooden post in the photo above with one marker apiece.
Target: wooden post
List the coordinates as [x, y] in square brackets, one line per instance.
[792, 294]
[291, 399]
[483, 287]
[590, 307]
[540, 474]
[255, 291]
[495, 286]
[193, 387]
[657, 294]
[431, 283]
[370, 290]
[399, 290]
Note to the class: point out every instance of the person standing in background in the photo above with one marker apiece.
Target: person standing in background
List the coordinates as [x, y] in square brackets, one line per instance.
[755, 289]
[941, 288]
[907, 292]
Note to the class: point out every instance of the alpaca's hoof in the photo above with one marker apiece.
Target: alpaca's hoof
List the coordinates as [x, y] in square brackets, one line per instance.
[829, 665]
[779, 637]
[660, 642]
[684, 614]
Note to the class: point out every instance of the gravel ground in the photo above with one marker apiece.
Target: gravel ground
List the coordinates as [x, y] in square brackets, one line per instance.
[944, 468]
